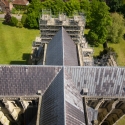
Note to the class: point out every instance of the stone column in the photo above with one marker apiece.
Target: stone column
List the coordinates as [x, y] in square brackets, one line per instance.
[80, 56]
[3, 119]
[24, 103]
[44, 57]
[12, 108]
[98, 104]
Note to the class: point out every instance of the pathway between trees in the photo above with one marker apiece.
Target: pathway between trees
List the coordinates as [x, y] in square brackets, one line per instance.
[15, 15]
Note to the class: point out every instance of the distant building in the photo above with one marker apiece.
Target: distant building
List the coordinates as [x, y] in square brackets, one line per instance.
[6, 5]
[21, 3]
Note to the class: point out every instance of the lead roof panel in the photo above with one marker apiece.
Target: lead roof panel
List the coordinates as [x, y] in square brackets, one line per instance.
[52, 111]
[70, 53]
[61, 50]
[54, 55]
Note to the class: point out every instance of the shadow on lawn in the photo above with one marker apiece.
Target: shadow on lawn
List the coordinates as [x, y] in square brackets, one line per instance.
[26, 60]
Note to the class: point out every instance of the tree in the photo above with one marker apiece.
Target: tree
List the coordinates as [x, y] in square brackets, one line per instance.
[85, 8]
[13, 21]
[116, 30]
[7, 18]
[56, 6]
[71, 6]
[99, 20]
[48, 4]
[33, 12]
[23, 19]
[19, 24]
[115, 5]
[34, 6]
[123, 10]
[32, 20]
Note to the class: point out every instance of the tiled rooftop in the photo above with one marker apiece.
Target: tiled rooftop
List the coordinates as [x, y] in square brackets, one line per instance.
[26, 80]
[61, 50]
[20, 2]
[100, 81]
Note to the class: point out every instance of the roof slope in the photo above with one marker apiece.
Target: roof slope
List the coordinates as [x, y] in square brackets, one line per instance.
[62, 103]
[5, 2]
[20, 2]
[73, 103]
[26, 80]
[61, 50]
[100, 81]
[52, 111]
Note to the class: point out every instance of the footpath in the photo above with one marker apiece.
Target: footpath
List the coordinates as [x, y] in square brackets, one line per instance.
[15, 15]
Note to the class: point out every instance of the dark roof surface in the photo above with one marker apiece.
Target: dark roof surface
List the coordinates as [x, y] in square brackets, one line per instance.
[52, 111]
[54, 55]
[26, 80]
[61, 86]
[61, 50]
[69, 51]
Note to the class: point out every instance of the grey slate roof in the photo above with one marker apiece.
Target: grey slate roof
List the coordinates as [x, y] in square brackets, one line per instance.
[52, 111]
[26, 80]
[61, 50]
[100, 81]
[61, 86]
[62, 103]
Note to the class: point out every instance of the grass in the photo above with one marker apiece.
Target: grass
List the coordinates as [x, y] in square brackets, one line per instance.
[121, 121]
[119, 48]
[15, 44]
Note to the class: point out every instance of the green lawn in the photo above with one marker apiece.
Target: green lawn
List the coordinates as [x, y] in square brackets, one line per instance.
[15, 44]
[121, 121]
[119, 48]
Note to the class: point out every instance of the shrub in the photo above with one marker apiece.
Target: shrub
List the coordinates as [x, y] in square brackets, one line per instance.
[23, 19]
[13, 21]
[19, 24]
[13, 11]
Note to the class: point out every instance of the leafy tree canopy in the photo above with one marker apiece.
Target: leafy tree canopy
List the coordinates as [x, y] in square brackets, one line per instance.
[85, 8]
[115, 5]
[56, 6]
[32, 20]
[13, 21]
[71, 7]
[116, 30]
[7, 18]
[33, 12]
[99, 20]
